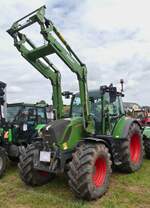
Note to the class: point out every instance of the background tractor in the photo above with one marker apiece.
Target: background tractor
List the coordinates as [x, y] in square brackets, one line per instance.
[3, 105]
[96, 135]
[24, 120]
[19, 124]
[143, 117]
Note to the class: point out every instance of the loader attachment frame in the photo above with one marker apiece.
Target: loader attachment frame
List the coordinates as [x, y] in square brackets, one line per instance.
[55, 43]
[43, 65]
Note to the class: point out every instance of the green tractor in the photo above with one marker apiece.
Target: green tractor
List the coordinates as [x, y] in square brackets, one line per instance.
[95, 137]
[18, 127]
[25, 119]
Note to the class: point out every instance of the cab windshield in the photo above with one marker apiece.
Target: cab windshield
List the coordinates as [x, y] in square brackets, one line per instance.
[21, 114]
[12, 112]
[76, 107]
[26, 114]
[95, 107]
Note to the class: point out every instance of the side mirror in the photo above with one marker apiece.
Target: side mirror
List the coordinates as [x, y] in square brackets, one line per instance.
[112, 94]
[111, 90]
[91, 99]
[67, 94]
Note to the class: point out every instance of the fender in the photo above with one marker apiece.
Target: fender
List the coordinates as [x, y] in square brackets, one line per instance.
[110, 143]
[100, 140]
[121, 129]
[40, 126]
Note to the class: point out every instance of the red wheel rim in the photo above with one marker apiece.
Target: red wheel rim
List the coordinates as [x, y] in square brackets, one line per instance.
[135, 148]
[99, 173]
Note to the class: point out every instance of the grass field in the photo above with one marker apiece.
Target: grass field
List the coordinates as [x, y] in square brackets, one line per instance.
[126, 191]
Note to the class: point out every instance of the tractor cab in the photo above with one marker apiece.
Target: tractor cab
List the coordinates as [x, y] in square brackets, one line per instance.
[24, 119]
[26, 113]
[105, 106]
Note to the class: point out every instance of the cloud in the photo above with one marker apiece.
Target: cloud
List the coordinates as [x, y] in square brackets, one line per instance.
[14, 89]
[111, 36]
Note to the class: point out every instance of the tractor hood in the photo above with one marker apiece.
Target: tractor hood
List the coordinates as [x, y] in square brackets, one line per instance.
[54, 131]
[64, 132]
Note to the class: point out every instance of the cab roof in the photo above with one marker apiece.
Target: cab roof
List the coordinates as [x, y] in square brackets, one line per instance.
[26, 104]
[96, 93]
[92, 93]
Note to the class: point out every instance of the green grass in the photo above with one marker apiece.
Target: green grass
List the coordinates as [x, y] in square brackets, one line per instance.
[126, 191]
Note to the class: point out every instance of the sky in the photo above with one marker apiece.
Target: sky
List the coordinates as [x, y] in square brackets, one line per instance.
[112, 37]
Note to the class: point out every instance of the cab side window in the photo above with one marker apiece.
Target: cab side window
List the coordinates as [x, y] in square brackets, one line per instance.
[96, 108]
[41, 116]
[114, 108]
[31, 114]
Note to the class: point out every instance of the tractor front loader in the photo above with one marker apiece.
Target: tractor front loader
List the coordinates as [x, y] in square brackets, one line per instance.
[96, 135]
[19, 129]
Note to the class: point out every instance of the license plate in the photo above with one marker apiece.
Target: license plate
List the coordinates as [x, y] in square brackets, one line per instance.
[45, 156]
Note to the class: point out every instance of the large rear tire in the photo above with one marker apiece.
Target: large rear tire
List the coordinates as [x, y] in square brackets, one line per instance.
[3, 161]
[132, 150]
[28, 174]
[147, 148]
[89, 171]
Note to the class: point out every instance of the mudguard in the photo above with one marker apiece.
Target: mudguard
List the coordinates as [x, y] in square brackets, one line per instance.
[40, 126]
[121, 128]
[97, 139]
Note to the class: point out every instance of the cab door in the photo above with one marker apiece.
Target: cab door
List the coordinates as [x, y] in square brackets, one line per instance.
[115, 111]
[41, 115]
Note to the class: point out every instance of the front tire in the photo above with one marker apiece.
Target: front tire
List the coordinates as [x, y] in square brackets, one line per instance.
[28, 174]
[132, 150]
[3, 161]
[90, 171]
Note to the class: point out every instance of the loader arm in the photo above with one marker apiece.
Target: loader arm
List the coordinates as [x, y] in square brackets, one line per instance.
[46, 68]
[55, 43]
